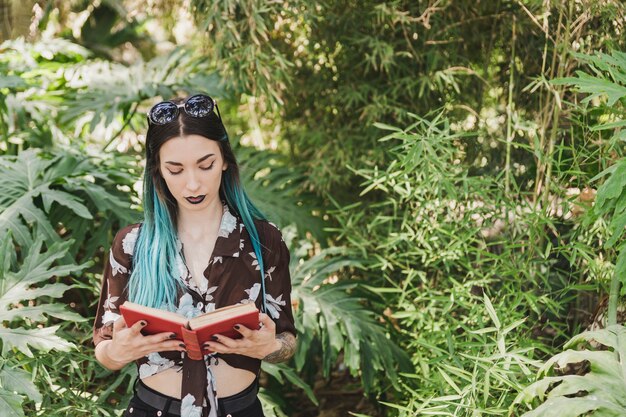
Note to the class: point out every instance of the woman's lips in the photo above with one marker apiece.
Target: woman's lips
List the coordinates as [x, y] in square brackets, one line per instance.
[195, 200]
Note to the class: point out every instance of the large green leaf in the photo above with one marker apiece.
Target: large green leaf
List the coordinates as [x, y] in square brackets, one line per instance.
[18, 286]
[10, 404]
[574, 407]
[599, 391]
[22, 339]
[281, 371]
[23, 182]
[19, 381]
[329, 315]
[41, 192]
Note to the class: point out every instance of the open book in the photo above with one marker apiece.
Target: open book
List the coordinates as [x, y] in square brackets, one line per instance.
[196, 331]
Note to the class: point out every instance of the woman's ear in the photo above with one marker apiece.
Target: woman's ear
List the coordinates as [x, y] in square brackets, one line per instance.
[225, 166]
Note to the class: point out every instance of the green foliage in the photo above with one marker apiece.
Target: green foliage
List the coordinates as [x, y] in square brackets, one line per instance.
[587, 382]
[272, 404]
[608, 82]
[337, 68]
[275, 189]
[611, 202]
[28, 177]
[582, 382]
[331, 316]
[23, 280]
[242, 46]
[461, 275]
[40, 191]
[478, 250]
[283, 373]
[108, 90]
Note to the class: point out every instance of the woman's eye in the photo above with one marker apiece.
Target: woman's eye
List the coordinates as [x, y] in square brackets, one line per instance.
[209, 167]
[175, 173]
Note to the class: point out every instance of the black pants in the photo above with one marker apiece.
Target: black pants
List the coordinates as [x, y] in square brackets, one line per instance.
[138, 408]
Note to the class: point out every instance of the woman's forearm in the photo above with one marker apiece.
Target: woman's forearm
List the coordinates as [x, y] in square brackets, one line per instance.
[103, 356]
[287, 348]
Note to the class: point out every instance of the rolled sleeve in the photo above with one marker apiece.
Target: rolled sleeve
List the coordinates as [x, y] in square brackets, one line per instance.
[113, 291]
[278, 283]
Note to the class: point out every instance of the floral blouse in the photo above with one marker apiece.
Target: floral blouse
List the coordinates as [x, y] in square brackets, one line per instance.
[231, 277]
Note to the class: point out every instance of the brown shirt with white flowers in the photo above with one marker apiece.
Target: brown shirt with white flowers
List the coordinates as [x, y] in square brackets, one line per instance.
[232, 276]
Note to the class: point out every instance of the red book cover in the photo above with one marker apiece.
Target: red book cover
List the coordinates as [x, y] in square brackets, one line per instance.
[194, 332]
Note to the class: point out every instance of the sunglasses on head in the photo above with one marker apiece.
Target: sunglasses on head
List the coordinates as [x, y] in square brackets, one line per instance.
[198, 105]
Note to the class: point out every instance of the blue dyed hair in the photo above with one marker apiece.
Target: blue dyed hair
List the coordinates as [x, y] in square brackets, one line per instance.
[155, 279]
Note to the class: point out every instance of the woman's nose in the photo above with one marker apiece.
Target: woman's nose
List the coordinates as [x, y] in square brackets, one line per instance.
[192, 182]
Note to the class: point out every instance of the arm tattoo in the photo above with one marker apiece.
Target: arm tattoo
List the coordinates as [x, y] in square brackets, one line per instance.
[288, 348]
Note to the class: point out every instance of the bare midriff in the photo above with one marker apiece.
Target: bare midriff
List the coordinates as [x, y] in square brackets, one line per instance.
[228, 380]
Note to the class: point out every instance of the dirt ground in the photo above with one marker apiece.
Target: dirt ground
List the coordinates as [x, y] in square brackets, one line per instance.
[339, 396]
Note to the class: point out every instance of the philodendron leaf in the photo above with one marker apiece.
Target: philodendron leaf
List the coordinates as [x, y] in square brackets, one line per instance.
[19, 381]
[574, 407]
[604, 362]
[280, 371]
[600, 391]
[41, 339]
[20, 292]
[65, 199]
[537, 389]
[612, 336]
[39, 313]
[10, 404]
[607, 388]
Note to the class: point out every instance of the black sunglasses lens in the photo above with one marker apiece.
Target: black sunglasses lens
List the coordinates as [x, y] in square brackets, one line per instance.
[163, 113]
[199, 105]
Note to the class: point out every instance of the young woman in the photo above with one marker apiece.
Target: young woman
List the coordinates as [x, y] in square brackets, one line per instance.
[202, 245]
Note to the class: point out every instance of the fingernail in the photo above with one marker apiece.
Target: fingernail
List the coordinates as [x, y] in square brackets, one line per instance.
[236, 326]
[173, 336]
[214, 338]
[182, 345]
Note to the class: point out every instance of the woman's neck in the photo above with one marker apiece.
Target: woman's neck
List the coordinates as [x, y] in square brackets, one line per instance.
[198, 225]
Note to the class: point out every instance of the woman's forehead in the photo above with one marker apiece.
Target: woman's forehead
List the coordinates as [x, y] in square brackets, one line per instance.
[188, 149]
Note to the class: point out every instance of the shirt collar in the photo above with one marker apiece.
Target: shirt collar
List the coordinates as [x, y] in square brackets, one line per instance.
[228, 236]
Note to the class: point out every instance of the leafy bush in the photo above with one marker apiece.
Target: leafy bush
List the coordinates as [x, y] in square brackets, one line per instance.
[459, 257]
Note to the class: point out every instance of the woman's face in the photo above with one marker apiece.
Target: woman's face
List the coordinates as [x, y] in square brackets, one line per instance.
[192, 169]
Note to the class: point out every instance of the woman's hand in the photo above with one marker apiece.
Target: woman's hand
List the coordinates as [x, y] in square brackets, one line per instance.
[128, 344]
[255, 343]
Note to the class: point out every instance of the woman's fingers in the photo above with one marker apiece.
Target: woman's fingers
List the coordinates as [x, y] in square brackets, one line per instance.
[162, 342]
[166, 346]
[136, 328]
[226, 341]
[267, 322]
[159, 337]
[216, 347]
[243, 330]
[119, 324]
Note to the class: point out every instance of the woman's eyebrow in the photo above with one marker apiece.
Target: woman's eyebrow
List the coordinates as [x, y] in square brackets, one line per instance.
[198, 161]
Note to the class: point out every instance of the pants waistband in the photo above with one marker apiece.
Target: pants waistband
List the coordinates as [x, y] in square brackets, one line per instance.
[227, 405]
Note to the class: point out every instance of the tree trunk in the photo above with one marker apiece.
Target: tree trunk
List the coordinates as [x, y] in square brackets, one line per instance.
[15, 18]
[5, 19]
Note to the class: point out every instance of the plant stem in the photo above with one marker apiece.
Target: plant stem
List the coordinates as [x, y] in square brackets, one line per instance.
[560, 63]
[509, 115]
[614, 297]
[119, 132]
